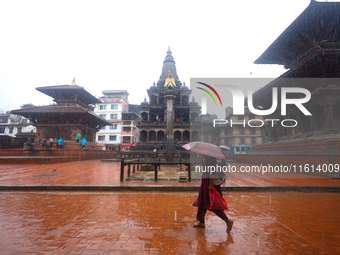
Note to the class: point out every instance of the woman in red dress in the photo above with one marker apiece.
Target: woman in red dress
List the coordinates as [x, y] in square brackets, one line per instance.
[203, 200]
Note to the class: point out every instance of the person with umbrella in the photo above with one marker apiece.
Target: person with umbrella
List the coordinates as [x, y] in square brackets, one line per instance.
[207, 184]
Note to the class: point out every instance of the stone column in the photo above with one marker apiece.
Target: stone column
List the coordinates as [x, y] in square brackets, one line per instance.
[329, 116]
[169, 97]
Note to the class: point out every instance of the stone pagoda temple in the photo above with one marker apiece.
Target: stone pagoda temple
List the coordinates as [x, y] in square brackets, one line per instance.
[69, 116]
[168, 115]
[308, 48]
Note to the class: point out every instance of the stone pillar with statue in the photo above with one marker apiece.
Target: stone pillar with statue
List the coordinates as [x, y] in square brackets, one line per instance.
[169, 97]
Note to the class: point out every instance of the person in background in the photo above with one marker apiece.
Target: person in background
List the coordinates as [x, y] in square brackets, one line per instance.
[78, 137]
[266, 134]
[83, 142]
[60, 143]
[51, 142]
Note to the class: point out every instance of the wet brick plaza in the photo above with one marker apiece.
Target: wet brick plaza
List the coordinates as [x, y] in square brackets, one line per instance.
[122, 222]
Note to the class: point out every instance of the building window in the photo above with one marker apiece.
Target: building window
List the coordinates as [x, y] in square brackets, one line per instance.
[126, 139]
[253, 140]
[102, 107]
[252, 130]
[114, 107]
[243, 141]
[10, 130]
[113, 126]
[205, 117]
[24, 121]
[240, 117]
[113, 116]
[103, 128]
[101, 138]
[242, 129]
[127, 129]
[19, 129]
[2, 130]
[126, 123]
[103, 116]
[113, 137]
[4, 120]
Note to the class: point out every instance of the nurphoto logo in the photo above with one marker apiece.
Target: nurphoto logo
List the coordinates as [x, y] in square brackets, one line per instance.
[280, 96]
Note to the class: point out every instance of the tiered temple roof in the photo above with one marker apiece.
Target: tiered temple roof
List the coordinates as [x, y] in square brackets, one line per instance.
[69, 116]
[315, 31]
[309, 48]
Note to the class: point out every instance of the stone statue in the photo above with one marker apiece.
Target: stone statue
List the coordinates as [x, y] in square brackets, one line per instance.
[44, 143]
[177, 147]
[28, 144]
[161, 147]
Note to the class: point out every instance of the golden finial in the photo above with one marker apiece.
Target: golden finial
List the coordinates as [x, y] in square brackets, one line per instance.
[73, 82]
[170, 81]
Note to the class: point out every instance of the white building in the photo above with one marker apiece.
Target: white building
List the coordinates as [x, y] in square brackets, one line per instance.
[13, 125]
[114, 102]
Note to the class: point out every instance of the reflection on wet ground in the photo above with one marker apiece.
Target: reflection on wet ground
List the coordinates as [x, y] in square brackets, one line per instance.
[161, 223]
[94, 172]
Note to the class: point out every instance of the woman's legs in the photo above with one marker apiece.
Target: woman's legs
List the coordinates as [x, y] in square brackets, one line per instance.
[221, 214]
[201, 215]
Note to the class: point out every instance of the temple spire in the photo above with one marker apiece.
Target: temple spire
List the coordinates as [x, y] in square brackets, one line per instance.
[169, 64]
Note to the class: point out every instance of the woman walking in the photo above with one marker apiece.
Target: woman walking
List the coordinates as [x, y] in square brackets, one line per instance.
[203, 200]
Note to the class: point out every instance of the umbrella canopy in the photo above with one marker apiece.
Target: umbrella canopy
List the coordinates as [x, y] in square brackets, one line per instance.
[207, 149]
[224, 147]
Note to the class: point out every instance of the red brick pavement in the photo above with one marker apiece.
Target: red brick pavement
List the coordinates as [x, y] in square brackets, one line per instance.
[94, 172]
[161, 223]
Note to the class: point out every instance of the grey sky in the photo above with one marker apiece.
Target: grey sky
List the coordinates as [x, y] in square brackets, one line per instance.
[122, 44]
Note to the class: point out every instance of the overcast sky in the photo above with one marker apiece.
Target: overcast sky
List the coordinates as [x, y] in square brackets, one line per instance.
[110, 45]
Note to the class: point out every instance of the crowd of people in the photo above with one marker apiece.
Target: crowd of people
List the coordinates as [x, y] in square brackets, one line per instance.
[59, 142]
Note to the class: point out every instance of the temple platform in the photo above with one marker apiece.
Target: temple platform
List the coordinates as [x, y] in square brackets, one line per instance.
[313, 152]
[70, 152]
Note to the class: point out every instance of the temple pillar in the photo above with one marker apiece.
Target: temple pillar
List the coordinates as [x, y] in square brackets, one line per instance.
[311, 124]
[329, 116]
[169, 96]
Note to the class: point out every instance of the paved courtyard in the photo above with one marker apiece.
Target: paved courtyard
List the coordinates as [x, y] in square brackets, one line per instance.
[78, 222]
[161, 223]
[94, 172]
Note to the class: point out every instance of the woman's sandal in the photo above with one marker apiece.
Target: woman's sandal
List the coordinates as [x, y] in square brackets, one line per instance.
[230, 224]
[199, 225]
